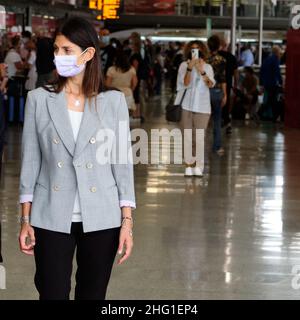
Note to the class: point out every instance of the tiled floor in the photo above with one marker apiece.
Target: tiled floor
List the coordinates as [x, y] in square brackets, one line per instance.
[235, 234]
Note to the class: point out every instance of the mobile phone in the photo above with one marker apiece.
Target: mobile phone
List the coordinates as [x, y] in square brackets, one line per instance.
[195, 53]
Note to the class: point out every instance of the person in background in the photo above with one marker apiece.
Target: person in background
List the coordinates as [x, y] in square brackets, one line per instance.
[126, 47]
[44, 59]
[150, 54]
[219, 92]
[13, 59]
[247, 57]
[3, 84]
[30, 84]
[195, 77]
[284, 53]
[140, 61]
[24, 53]
[123, 77]
[271, 80]
[16, 76]
[158, 71]
[175, 64]
[232, 76]
[109, 52]
[249, 88]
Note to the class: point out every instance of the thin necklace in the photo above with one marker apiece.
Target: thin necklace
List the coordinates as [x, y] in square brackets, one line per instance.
[76, 101]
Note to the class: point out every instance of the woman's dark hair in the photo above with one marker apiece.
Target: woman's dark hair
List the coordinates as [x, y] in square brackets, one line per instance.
[82, 33]
[202, 48]
[15, 41]
[214, 43]
[122, 61]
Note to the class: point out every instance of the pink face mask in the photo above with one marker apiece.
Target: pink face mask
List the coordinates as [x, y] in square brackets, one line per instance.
[66, 66]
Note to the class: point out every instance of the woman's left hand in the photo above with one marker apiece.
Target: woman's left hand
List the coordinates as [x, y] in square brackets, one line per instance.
[224, 101]
[125, 243]
[200, 65]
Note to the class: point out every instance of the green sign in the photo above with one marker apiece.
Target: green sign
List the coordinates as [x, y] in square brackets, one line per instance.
[208, 27]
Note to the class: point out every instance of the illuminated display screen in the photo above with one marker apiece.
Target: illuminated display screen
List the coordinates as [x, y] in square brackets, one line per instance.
[109, 8]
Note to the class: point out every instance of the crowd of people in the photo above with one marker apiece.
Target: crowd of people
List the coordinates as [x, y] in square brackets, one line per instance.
[139, 67]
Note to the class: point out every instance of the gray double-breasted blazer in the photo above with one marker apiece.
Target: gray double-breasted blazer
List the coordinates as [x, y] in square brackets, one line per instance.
[53, 166]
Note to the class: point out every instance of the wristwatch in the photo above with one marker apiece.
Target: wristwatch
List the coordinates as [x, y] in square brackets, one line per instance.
[189, 70]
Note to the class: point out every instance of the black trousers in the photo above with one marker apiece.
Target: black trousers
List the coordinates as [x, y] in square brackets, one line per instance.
[226, 109]
[95, 254]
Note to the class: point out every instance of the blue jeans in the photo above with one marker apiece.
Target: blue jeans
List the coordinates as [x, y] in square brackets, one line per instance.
[216, 96]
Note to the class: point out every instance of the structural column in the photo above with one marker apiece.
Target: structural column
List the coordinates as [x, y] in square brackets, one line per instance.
[261, 30]
[233, 26]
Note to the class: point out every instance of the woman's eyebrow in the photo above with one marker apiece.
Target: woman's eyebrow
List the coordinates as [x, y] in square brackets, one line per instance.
[63, 47]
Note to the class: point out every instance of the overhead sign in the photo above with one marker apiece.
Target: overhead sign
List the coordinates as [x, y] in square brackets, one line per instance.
[110, 8]
[153, 7]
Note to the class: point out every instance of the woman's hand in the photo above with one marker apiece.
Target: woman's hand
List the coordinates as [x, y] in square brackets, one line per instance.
[125, 241]
[27, 232]
[191, 63]
[224, 101]
[200, 65]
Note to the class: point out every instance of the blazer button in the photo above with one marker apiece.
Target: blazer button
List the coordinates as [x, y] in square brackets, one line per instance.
[89, 165]
[93, 189]
[93, 140]
[60, 164]
[56, 141]
[56, 188]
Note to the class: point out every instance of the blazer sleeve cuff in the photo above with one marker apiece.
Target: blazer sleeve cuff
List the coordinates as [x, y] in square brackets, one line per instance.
[26, 198]
[127, 203]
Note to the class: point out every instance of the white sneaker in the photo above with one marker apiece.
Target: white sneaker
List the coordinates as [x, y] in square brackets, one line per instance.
[189, 172]
[198, 172]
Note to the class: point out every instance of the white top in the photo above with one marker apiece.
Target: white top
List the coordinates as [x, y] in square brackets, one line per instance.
[11, 58]
[197, 97]
[32, 75]
[75, 118]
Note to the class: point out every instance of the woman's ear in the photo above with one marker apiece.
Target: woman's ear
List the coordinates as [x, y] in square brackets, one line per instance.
[87, 56]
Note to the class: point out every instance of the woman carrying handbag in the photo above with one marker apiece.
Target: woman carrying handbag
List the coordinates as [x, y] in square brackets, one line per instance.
[195, 78]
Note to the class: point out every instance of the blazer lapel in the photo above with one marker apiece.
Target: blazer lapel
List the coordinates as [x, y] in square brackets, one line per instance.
[60, 117]
[90, 123]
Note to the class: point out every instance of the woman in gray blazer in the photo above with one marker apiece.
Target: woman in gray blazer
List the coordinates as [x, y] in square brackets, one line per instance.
[76, 189]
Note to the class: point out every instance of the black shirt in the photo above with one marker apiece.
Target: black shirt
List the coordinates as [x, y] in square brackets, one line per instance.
[108, 56]
[218, 64]
[143, 66]
[231, 66]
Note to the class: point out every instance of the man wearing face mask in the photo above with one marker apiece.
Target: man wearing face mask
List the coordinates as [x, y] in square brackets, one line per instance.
[109, 53]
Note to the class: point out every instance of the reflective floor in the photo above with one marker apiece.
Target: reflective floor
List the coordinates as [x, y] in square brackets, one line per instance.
[235, 234]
